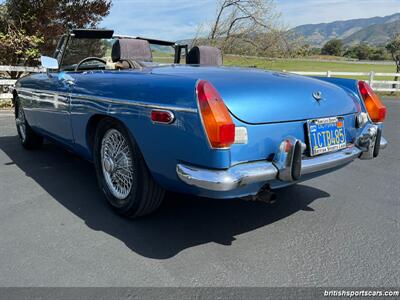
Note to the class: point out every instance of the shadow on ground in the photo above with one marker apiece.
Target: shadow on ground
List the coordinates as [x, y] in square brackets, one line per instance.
[182, 222]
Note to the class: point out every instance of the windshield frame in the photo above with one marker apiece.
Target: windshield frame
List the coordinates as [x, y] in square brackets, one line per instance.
[65, 39]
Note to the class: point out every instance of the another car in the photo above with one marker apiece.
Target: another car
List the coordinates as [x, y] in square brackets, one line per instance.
[198, 128]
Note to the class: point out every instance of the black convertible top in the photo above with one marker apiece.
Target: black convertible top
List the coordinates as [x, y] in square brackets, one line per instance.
[156, 42]
[108, 34]
[92, 33]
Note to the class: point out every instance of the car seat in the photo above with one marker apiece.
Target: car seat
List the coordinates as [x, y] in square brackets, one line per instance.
[129, 53]
[204, 55]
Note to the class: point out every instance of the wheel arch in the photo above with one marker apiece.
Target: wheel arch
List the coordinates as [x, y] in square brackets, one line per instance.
[92, 126]
[91, 129]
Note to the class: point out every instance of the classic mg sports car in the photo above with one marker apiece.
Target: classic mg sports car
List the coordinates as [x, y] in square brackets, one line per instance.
[197, 128]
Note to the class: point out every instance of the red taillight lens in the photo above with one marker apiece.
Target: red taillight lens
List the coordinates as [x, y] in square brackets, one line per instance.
[374, 105]
[162, 116]
[217, 121]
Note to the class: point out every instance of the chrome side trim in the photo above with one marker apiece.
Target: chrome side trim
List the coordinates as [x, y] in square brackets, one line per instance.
[261, 171]
[109, 100]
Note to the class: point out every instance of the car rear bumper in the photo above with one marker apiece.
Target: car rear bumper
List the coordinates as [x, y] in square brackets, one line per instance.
[284, 168]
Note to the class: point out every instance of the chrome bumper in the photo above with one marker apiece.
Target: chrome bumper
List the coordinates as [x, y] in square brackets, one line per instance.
[261, 171]
[284, 167]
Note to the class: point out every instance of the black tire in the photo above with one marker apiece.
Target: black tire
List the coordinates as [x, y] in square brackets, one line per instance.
[28, 138]
[145, 195]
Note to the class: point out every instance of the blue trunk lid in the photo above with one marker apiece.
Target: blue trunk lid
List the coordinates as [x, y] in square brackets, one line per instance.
[258, 97]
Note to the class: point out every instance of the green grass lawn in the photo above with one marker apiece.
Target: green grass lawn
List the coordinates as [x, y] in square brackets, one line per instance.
[312, 66]
[295, 64]
[307, 65]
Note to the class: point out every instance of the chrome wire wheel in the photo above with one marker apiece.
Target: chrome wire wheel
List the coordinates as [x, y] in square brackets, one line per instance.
[116, 162]
[21, 124]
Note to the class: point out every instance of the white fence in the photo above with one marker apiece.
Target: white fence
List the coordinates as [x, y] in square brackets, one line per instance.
[6, 84]
[378, 85]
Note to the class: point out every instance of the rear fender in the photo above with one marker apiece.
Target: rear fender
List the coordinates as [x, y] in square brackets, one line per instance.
[350, 85]
[164, 146]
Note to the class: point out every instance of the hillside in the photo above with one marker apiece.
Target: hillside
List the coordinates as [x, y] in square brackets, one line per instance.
[375, 31]
[378, 34]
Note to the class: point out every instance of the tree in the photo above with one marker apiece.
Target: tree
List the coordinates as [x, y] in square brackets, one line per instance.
[394, 49]
[361, 52]
[50, 18]
[379, 53]
[364, 52]
[332, 47]
[246, 27]
[16, 47]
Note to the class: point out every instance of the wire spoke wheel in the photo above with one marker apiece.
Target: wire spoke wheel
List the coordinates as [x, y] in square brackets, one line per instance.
[117, 166]
[122, 173]
[20, 121]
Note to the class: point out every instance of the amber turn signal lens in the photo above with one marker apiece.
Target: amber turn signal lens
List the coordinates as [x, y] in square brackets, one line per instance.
[374, 105]
[217, 121]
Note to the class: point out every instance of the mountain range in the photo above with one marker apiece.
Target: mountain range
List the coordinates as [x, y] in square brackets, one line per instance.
[374, 31]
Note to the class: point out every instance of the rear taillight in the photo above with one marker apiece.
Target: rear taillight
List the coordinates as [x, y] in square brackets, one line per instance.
[217, 121]
[374, 105]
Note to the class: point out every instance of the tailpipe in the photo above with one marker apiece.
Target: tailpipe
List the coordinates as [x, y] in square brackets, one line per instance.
[265, 194]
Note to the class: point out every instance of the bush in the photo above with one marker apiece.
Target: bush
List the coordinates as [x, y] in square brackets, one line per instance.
[366, 52]
[333, 47]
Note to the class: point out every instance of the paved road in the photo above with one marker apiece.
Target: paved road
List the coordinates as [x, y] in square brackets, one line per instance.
[342, 229]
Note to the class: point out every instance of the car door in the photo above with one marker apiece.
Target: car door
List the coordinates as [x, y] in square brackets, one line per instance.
[52, 106]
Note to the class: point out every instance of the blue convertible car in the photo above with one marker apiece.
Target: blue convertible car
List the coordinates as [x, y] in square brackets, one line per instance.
[197, 128]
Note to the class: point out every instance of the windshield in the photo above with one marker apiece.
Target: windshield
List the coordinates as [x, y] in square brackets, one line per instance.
[79, 49]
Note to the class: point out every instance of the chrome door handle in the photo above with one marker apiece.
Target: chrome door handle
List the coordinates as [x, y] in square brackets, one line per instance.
[66, 78]
[70, 81]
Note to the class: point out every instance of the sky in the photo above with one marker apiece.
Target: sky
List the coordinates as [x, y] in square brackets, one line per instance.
[180, 19]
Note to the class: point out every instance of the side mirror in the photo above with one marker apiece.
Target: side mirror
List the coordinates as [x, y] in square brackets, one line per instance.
[49, 63]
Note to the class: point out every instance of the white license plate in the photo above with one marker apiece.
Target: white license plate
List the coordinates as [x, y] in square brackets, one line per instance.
[326, 135]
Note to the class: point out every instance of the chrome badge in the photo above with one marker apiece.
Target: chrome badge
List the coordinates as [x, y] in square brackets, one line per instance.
[317, 95]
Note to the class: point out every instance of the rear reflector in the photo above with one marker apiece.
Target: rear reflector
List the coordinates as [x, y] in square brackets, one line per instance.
[162, 116]
[217, 121]
[374, 105]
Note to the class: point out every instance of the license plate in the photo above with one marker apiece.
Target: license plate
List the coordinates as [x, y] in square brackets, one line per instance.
[326, 135]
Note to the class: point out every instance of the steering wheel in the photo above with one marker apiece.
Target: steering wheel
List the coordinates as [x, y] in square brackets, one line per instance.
[88, 59]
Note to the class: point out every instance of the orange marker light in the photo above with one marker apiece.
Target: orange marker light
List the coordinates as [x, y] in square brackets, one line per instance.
[217, 121]
[374, 105]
